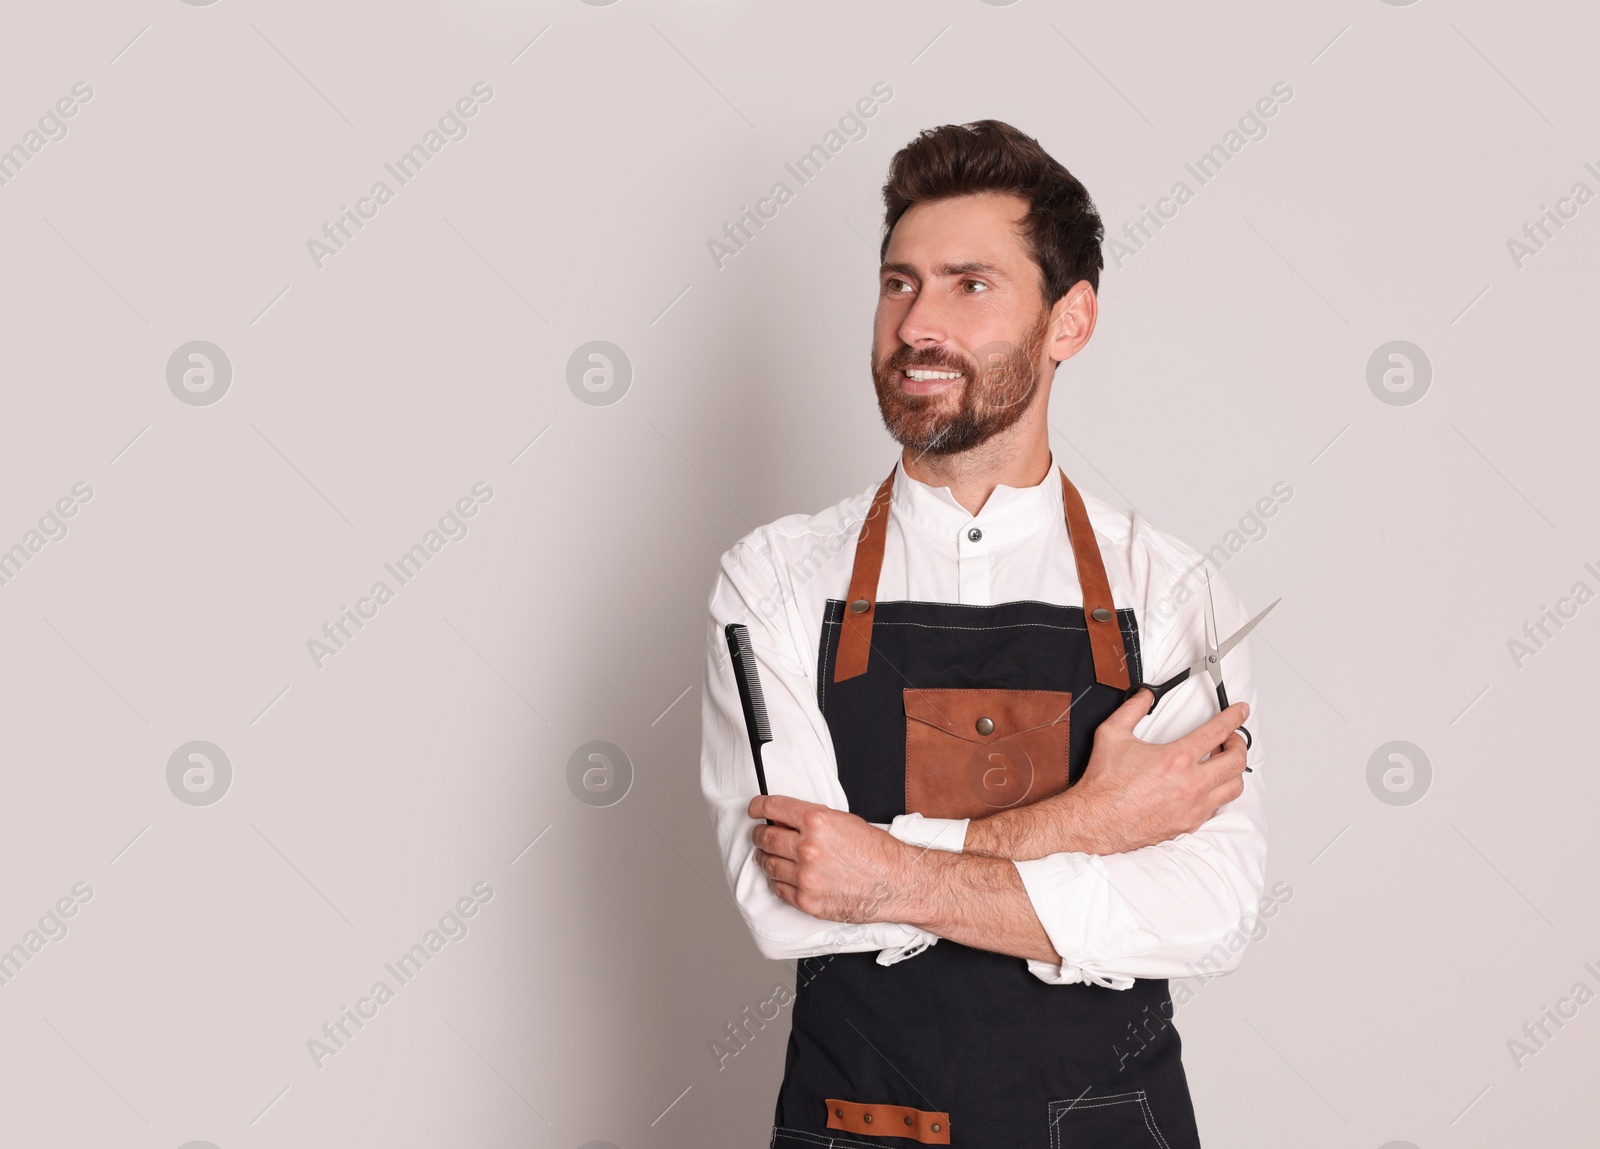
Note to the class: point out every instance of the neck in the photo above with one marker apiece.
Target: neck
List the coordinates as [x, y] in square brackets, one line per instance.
[1018, 457]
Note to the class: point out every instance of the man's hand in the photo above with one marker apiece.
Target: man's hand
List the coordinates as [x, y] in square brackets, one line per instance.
[1138, 793]
[1132, 794]
[829, 863]
[834, 865]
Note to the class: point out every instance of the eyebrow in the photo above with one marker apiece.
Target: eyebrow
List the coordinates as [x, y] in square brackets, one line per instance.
[971, 267]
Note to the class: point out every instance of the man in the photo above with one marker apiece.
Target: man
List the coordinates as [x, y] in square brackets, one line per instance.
[988, 857]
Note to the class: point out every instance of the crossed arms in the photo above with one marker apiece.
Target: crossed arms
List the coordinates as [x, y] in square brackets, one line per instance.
[1138, 870]
[832, 864]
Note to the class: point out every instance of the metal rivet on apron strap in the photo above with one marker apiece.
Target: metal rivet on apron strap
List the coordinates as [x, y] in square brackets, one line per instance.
[1101, 614]
[985, 725]
[860, 606]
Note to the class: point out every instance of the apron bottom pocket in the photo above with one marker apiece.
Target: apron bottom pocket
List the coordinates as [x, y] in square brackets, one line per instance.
[801, 1139]
[1110, 1121]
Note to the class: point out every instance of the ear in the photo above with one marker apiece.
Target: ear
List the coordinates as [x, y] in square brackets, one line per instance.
[1072, 321]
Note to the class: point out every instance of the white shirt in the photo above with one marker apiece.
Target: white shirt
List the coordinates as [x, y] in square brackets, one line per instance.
[1157, 912]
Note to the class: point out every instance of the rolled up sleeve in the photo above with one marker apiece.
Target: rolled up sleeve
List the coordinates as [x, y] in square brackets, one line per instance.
[1184, 907]
[799, 762]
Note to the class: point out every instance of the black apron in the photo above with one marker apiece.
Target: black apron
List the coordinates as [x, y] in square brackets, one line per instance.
[957, 1045]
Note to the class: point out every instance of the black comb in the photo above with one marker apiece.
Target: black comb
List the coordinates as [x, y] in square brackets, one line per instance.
[750, 696]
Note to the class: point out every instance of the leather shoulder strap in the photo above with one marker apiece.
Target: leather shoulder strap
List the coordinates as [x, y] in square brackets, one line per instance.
[855, 631]
[1099, 612]
[1105, 634]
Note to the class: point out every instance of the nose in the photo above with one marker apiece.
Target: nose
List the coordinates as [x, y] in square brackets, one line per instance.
[923, 326]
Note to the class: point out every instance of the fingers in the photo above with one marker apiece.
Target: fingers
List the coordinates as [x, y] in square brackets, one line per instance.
[778, 840]
[1227, 763]
[1125, 717]
[778, 807]
[1222, 795]
[777, 869]
[1210, 734]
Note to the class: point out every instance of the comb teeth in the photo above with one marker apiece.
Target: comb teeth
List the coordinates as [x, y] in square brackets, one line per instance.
[751, 682]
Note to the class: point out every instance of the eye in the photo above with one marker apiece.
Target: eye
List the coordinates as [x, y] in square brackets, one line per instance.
[978, 282]
[889, 287]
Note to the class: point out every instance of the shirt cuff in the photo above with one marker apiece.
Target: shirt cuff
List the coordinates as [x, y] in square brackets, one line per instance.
[1068, 974]
[921, 940]
[1082, 915]
[940, 833]
[915, 830]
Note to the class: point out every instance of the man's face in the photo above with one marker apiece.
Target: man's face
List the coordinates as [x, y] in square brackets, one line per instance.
[958, 293]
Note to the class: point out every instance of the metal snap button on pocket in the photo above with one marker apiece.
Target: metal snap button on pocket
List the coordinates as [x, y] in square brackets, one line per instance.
[985, 725]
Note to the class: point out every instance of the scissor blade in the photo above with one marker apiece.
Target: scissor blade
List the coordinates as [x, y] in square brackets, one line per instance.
[1211, 666]
[1211, 618]
[1237, 636]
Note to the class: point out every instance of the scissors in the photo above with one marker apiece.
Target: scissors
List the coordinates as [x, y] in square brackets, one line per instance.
[1211, 663]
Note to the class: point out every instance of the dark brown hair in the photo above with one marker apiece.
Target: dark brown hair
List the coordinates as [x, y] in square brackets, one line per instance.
[1062, 228]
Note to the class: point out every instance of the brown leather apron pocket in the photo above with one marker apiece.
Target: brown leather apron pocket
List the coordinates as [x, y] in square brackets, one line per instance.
[972, 752]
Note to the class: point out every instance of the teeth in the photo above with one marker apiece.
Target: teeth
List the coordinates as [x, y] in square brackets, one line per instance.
[924, 376]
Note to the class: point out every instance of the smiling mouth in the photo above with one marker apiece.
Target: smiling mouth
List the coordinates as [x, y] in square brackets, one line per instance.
[922, 380]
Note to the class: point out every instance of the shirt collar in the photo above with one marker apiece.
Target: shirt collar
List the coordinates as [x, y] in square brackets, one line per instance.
[1009, 512]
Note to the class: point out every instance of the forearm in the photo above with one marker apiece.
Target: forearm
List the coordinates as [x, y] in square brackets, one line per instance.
[973, 899]
[1037, 830]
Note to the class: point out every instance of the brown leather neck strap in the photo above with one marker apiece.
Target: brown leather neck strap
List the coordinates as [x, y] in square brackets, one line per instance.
[855, 633]
[1099, 612]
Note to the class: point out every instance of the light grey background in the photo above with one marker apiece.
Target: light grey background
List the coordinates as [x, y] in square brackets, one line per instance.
[431, 752]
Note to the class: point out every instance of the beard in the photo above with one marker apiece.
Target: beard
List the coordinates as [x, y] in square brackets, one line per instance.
[986, 400]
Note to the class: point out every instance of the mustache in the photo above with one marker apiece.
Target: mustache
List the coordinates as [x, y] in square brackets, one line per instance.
[931, 361]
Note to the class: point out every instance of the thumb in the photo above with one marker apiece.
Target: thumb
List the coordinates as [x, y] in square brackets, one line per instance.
[1124, 718]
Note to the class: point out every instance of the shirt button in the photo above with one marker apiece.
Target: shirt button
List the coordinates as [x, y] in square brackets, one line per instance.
[974, 535]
